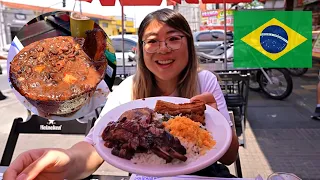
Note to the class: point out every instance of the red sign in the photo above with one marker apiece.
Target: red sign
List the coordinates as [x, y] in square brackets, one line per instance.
[229, 21]
[209, 13]
[204, 27]
[212, 21]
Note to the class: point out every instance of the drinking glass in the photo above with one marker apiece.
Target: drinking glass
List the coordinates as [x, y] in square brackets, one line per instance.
[283, 176]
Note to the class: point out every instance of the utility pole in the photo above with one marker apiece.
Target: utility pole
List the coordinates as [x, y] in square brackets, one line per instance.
[122, 33]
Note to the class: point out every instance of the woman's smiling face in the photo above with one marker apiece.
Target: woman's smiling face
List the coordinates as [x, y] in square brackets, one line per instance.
[165, 63]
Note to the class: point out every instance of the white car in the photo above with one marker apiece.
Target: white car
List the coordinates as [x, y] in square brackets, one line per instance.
[130, 44]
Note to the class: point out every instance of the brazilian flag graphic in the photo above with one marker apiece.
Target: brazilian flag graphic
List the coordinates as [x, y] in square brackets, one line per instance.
[273, 39]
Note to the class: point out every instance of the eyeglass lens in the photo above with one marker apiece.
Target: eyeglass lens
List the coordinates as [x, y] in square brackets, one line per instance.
[173, 43]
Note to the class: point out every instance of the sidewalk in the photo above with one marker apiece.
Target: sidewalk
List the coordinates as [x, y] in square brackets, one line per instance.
[11, 108]
[280, 135]
[252, 159]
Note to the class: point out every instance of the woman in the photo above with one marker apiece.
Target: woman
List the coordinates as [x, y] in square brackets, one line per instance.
[167, 66]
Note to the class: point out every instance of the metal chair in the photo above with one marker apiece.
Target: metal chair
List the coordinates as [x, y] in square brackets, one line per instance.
[237, 164]
[236, 91]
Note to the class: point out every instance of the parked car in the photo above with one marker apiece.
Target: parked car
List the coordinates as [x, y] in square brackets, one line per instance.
[206, 41]
[130, 44]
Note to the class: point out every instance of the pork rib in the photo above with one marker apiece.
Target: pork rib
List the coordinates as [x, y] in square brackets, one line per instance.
[137, 131]
[194, 110]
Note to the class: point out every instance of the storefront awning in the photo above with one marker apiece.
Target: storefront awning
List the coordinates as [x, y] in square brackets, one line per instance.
[158, 2]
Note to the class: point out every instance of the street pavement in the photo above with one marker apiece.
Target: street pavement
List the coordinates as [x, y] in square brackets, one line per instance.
[10, 108]
[280, 135]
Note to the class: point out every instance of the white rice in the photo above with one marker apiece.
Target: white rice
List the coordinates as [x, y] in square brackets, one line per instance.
[157, 116]
[151, 158]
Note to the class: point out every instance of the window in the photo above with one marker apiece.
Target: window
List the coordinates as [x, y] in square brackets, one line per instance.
[206, 36]
[217, 36]
[105, 25]
[128, 45]
[209, 7]
[229, 36]
[20, 16]
[117, 45]
[214, 36]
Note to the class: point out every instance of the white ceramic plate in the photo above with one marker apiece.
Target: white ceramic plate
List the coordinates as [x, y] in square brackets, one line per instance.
[215, 123]
[98, 99]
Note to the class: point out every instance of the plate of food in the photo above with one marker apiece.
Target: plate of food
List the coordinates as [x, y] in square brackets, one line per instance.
[162, 136]
[60, 78]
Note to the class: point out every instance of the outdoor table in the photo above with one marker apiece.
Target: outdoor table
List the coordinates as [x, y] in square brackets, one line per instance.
[220, 68]
[109, 177]
[93, 177]
[213, 67]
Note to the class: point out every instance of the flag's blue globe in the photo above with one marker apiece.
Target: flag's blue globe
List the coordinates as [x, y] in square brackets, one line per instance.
[274, 39]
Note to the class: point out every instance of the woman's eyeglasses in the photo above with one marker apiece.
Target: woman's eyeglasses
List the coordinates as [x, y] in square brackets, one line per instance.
[153, 45]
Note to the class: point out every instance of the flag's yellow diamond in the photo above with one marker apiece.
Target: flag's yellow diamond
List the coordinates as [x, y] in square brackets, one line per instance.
[274, 44]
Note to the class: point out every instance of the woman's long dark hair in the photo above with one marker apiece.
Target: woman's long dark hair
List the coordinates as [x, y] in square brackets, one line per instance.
[144, 84]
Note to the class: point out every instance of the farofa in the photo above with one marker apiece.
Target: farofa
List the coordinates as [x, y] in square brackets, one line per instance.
[187, 130]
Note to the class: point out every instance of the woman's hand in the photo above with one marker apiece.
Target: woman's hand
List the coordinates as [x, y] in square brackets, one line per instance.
[206, 98]
[231, 155]
[40, 164]
[77, 162]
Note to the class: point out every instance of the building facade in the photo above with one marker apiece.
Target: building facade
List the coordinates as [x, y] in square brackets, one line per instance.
[192, 14]
[12, 20]
[14, 16]
[113, 25]
[212, 17]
